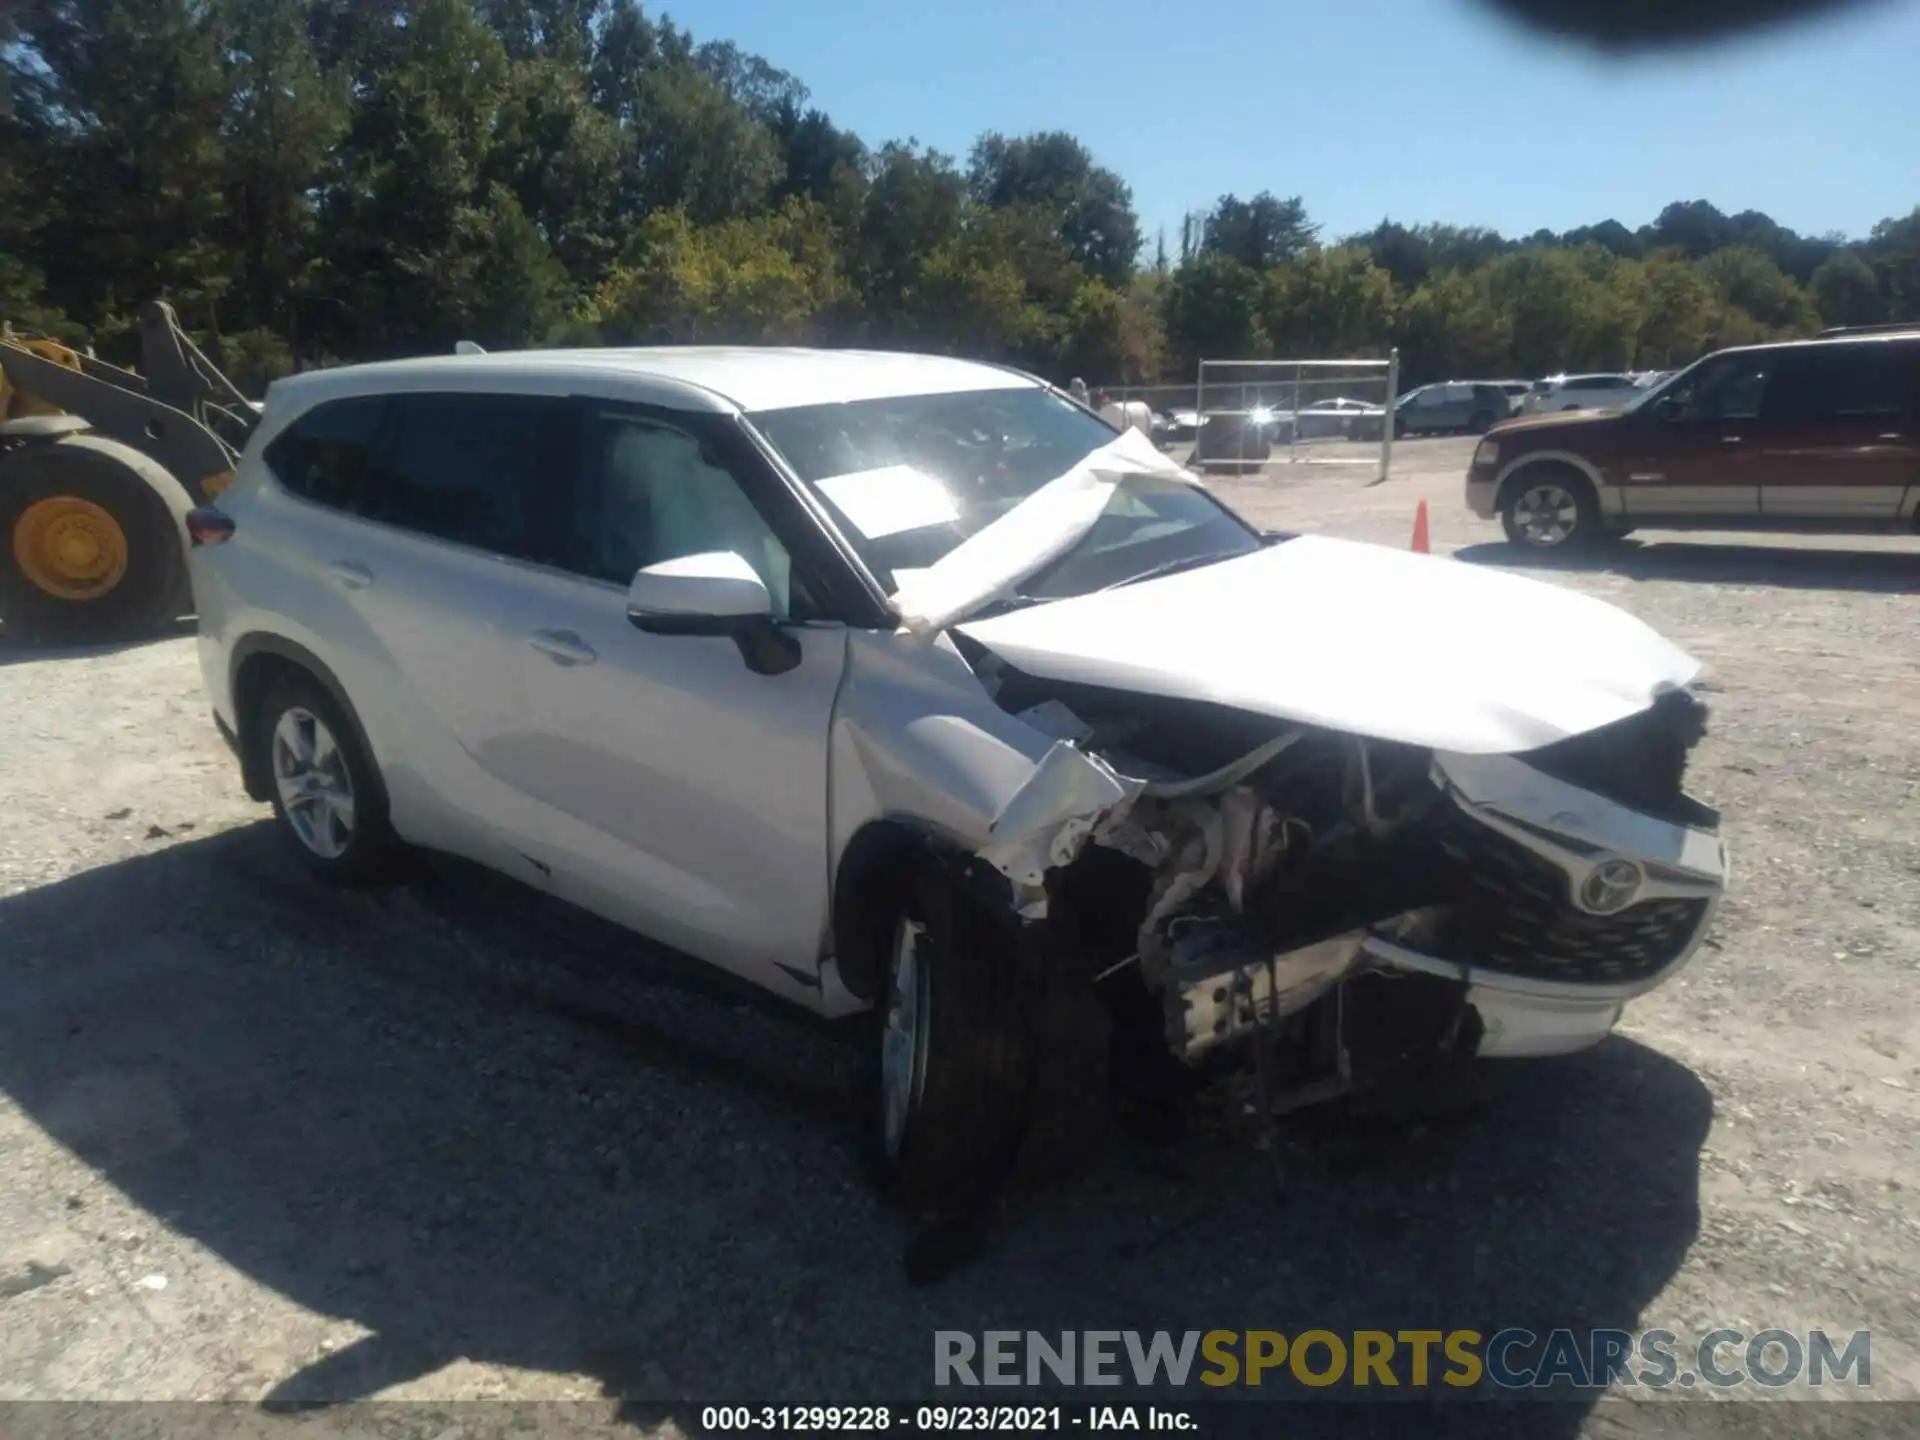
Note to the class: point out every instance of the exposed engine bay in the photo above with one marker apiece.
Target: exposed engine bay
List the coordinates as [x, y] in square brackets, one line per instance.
[1337, 913]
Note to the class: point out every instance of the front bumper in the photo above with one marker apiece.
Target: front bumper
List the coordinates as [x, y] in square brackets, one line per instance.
[1547, 971]
[1480, 493]
[1558, 972]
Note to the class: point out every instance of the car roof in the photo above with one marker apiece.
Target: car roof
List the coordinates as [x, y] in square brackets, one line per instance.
[1873, 337]
[698, 377]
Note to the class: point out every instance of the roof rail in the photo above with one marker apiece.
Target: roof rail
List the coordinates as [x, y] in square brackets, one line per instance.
[1897, 327]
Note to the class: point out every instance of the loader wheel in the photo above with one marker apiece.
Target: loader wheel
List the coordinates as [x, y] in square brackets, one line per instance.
[952, 1053]
[91, 552]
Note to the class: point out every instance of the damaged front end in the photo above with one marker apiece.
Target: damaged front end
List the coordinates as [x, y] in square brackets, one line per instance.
[1335, 913]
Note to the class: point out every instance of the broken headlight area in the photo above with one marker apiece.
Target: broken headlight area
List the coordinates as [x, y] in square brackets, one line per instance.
[1334, 912]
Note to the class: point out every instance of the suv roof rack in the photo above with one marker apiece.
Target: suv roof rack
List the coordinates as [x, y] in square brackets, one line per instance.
[1896, 328]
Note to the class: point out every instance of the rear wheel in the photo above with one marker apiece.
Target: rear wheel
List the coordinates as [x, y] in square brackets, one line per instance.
[91, 552]
[1550, 508]
[328, 799]
[953, 1054]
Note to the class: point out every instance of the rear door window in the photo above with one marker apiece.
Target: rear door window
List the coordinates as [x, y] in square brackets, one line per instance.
[485, 470]
[331, 455]
[1829, 384]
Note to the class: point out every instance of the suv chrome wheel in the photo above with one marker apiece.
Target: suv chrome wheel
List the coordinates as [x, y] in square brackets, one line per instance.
[903, 1038]
[310, 776]
[1545, 515]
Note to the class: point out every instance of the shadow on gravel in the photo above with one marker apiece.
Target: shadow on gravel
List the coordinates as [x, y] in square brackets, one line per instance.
[1882, 571]
[21, 652]
[482, 1128]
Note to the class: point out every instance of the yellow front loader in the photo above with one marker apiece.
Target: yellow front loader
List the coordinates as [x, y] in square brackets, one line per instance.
[98, 468]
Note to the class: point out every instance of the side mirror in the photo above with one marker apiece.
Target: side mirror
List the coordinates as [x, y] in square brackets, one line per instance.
[707, 594]
[717, 593]
[1667, 407]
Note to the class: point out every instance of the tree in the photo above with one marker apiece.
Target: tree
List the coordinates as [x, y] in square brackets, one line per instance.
[128, 99]
[1556, 308]
[1679, 313]
[1610, 235]
[559, 30]
[914, 207]
[1213, 310]
[561, 158]
[284, 116]
[695, 147]
[358, 178]
[763, 278]
[1329, 302]
[423, 246]
[1750, 283]
[1113, 337]
[1894, 252]
[1449, 326]
[1259, 233]
[1693, 227]
[1055, 175]
[1847, 291]
[823, 162]
[764, 92]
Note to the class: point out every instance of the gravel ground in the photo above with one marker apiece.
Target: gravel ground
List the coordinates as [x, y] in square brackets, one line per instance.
[260, 1141]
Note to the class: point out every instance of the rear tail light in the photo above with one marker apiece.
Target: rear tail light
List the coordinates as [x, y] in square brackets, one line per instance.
[208, 525]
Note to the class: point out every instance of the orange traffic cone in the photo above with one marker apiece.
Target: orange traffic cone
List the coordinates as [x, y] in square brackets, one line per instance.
[1420, 543]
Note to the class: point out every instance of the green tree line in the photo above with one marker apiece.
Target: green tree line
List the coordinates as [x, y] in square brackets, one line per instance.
[317, 180]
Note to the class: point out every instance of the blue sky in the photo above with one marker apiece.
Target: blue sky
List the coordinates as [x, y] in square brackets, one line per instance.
[1418, 109]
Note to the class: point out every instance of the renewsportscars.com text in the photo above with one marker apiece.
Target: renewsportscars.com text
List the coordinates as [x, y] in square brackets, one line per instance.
[1509, 1359]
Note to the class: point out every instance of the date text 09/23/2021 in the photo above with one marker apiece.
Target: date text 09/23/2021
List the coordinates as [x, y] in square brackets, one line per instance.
[944, 1419]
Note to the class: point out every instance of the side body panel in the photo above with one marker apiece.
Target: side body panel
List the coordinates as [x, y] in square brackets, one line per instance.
[669, 787]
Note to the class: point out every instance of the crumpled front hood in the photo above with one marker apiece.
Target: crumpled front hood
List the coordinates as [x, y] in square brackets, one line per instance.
[1359, 638]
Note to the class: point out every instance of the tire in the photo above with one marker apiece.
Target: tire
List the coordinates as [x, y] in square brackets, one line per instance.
[952, 1054]
[88, 551]
[1480, 422]
[1550, 508]
[356, 847]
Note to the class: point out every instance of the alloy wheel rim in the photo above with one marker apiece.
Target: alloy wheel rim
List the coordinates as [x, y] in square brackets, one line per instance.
[311, 778]
[1546, 515]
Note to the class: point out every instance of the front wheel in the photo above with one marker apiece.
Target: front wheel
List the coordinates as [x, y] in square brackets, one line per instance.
[953, 1054]
[1550, 510]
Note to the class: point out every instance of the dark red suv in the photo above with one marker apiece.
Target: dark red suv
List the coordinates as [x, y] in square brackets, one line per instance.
[1811, 434]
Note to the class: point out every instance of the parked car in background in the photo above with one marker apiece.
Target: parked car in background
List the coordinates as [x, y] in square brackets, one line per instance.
[1471, 405]
[1598, 391]
[1183, 422]
[1517, 392]
[1340, 417]
[1812, 434]
[903, 685]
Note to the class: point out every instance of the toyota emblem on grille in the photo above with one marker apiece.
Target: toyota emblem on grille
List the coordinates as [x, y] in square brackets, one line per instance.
[1610, 887]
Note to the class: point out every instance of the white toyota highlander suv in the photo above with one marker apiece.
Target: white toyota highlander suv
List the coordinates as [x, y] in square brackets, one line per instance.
[906, 685]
